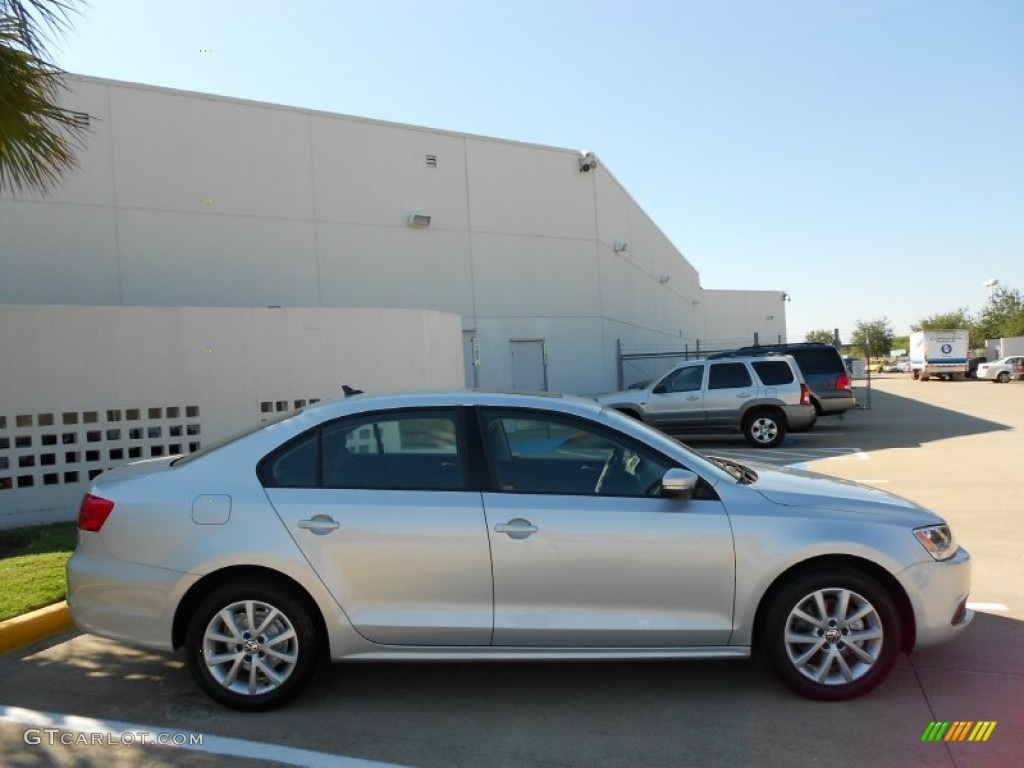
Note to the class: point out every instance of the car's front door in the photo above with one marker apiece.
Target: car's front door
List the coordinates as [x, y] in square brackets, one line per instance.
[677, 400]
[585, 551]
[378, 505]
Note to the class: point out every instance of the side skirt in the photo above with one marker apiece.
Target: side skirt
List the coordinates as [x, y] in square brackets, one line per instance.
[513, 653]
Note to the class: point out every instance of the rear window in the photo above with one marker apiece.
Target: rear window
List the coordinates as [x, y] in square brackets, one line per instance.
[818, 361]
[773, 372]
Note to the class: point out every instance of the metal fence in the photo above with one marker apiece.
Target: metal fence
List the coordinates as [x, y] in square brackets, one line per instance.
[639, 363]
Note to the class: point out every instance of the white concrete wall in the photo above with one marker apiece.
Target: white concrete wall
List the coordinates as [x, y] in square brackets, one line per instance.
[731, 318]
[231, 365]
[191, 200]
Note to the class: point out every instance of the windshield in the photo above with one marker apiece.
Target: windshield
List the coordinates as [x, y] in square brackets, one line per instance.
[696, 462]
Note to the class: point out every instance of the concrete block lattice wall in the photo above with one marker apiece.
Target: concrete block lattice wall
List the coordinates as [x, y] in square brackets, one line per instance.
[83, 389]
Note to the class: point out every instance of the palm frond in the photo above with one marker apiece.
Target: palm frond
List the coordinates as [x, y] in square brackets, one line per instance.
[37, 137]
[37, 20]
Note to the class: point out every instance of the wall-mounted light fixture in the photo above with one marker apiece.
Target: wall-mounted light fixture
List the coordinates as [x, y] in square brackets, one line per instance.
[587, 161]
[664, 279]
[785, 297]
[418, 220]
[619, 246]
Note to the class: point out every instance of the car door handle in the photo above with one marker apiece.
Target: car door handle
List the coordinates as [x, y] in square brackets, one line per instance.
[517, 528]
[693, 397]
[743, 395]
[320, 524]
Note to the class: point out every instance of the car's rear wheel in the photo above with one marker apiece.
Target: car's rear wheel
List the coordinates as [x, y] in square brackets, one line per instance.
[252, 646]
[832, 635]
[764, 429]
[1003, 377]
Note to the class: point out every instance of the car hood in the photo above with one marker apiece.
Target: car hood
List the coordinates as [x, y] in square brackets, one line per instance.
[799, 488]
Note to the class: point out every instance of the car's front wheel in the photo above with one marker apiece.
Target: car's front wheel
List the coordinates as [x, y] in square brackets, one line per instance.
[764, 429]
[832, 635]
[252, 646]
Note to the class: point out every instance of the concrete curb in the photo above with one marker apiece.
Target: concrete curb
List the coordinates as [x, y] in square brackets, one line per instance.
[35, 626]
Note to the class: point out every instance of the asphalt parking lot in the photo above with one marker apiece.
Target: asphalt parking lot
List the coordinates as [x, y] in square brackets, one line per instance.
[956, 447]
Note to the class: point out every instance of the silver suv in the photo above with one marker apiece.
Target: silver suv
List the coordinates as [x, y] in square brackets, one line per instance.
[762, 396]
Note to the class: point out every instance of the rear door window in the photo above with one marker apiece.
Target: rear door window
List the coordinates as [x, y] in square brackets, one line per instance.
[407, 451]
[773, 372]
[729, 376]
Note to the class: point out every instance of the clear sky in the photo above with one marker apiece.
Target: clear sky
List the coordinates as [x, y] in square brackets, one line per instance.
[867, 157]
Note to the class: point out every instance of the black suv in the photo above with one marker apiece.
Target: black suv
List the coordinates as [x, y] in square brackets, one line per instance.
[822, 367]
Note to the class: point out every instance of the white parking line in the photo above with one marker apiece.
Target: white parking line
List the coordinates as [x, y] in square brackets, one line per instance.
[217, 745]
[994, 607]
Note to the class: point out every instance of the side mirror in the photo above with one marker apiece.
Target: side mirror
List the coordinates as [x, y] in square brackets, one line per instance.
[659, 390]
[678, 483]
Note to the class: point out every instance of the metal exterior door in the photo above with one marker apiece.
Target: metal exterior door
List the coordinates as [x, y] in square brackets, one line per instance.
[529, 366]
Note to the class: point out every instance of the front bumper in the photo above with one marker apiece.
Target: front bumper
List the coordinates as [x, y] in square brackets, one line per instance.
[938, 592]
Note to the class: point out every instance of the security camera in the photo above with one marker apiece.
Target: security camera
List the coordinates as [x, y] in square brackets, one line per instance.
[587, 161]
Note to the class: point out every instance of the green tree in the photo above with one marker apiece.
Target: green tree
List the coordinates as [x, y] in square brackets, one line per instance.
[37, 138]
[819, 336]
[1002, 315]
[958, 318]
[876, 334]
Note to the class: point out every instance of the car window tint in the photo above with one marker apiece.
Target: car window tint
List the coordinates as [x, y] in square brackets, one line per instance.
[686, 379]
[772, 372]
[818, 360]
[410, 451]
[541, 453]
[728, 376]
[293, 465]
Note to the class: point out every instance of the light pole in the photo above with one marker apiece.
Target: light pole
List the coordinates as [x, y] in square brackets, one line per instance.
[991, 285]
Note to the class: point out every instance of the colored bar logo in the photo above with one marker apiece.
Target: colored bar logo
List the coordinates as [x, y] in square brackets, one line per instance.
[959, 730]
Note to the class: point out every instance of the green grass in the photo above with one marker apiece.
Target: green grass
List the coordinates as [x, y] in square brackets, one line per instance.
[32, 566]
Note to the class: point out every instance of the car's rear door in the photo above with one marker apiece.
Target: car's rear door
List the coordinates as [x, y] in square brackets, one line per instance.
[729, 387]
[379, 506]
[606, 564]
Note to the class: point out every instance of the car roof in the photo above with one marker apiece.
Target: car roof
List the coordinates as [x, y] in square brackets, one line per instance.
[453, 397]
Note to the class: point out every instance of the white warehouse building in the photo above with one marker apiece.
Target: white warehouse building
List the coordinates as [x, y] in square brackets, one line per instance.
[185, 201]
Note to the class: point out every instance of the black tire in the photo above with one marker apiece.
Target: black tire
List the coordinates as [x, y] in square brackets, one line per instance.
[830, 666]
[244, 679]
[1003, 377]
[765, 428]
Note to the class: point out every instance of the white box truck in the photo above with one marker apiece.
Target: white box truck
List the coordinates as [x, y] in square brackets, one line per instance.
[939, 354]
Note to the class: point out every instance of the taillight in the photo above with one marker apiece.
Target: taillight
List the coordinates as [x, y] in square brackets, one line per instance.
[805, 395]
[94, 512]
[843, 382]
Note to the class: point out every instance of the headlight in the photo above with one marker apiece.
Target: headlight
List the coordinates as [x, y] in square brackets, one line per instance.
[938, 540]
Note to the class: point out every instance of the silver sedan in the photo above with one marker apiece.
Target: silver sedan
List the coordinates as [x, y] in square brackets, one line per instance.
[470, 526]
